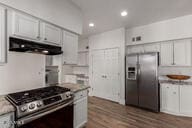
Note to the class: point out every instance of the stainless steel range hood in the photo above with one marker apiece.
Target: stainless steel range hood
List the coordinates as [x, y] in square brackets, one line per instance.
[20, 45]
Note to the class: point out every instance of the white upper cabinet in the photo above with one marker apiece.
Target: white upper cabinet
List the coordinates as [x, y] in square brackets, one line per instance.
[28, 27]
[182, 52]
[176, 53]
[70, 48]
[135, 49]
[51, 34]
[166, 53]
[3, 48]
[25, 26]
[152, 47]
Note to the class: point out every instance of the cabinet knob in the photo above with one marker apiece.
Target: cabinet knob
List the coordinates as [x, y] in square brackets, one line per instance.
[38, 37]
[174, 93]
[45, 38]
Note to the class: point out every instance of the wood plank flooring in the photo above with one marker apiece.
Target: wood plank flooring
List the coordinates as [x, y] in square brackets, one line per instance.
[107, 114]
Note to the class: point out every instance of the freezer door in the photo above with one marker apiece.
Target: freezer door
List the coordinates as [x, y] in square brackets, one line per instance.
[131, 81]
[148, 81]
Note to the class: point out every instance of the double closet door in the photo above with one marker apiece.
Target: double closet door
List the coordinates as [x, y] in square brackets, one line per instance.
[105, 74]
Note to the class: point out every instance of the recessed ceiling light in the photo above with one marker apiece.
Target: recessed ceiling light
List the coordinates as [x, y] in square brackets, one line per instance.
[91, 24]
[124, 13]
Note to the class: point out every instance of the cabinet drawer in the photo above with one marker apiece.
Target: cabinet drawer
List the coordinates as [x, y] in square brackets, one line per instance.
[80, 94]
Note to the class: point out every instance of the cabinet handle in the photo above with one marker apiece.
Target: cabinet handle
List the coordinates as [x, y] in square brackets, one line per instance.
[38, 37]
[174, 93]
[45, 39]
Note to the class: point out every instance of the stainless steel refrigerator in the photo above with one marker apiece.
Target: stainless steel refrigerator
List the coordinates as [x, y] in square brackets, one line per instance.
[142, 85]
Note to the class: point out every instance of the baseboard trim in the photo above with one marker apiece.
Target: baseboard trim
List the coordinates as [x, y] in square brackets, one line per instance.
[122, 101]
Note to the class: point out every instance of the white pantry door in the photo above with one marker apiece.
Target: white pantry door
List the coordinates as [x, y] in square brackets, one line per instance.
[98, 68]
[106, 81]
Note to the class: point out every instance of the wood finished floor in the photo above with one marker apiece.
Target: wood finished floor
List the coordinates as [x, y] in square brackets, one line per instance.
[106, 114]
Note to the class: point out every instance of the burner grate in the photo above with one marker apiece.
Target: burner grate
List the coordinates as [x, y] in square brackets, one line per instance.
[20, 98]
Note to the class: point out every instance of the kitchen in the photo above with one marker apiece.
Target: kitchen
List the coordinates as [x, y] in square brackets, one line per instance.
[64, 65]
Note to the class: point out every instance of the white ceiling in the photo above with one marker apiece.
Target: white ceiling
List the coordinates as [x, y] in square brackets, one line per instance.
[106, 13]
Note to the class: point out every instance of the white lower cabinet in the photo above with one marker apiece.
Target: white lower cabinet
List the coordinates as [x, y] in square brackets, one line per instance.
[7, 120]
[176, 99]
[80, 109]
[170, 98]
[185, 99]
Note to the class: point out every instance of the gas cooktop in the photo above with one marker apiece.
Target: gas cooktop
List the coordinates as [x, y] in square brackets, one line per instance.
[31, 101]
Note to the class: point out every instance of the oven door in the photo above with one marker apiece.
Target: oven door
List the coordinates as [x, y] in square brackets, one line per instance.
[60, 116]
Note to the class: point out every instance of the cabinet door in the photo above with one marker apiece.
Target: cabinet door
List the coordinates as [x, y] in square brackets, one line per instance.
[25, 26]
[185, 99]
[83, 58]
[170, 98]
[3, 48]
[152, 47]
[70, 48]
[51, 34]
[182, 52]
[112, 75]
[137, 49]
[166, 53]
[98, 73]
[7, 121]
[80, 112]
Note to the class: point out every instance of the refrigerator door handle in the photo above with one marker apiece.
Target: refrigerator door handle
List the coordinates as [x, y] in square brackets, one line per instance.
[139, 70]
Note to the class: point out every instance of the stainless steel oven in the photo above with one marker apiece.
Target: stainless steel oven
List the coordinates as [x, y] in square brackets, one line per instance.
[60, 116]
[48, 107]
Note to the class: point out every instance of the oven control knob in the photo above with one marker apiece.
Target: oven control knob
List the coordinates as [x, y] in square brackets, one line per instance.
[32, 106]
[39, 104]
[24, 108]
[68, 95]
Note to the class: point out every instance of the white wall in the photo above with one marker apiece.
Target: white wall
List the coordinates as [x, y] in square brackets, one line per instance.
[111, 39]
[60, 12]
[172, 29]
[23, 71]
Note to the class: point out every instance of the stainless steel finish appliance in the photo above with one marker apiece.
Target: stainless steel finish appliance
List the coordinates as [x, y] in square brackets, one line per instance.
[34, 104]
[142, 85]
[52, 75]
[21, 45]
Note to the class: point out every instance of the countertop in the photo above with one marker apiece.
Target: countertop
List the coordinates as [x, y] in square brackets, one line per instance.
[165, 79]
[5, 106]
[74, 87]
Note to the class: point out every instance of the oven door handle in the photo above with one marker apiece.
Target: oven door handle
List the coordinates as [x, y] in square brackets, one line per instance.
[26, 120]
